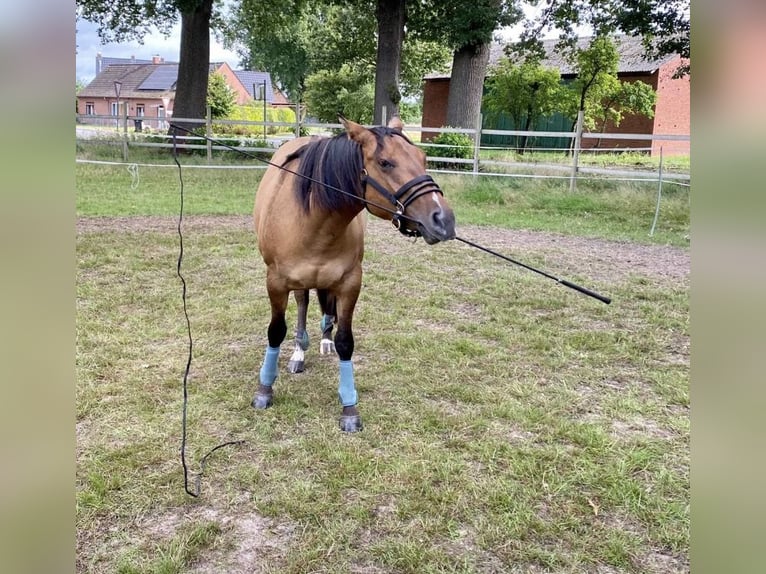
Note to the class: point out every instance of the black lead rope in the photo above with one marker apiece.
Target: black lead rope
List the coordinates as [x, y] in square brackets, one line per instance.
[198, 477]
[564, 282]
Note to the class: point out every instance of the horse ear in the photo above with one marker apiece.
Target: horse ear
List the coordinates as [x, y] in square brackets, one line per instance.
[355, 131]
[396, 123]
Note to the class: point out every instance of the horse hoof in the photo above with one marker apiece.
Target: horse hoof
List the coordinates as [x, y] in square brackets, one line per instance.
[350, 423]
[326, 347]
[296, 366]
[262, 401]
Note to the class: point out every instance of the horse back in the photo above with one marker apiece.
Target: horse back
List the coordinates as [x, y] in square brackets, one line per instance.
[309, 249]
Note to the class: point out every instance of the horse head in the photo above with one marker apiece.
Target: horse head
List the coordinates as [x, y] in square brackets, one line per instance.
[396, 184]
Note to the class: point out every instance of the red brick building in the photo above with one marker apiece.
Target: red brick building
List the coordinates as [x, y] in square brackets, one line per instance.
[148, 89]
[672, 114]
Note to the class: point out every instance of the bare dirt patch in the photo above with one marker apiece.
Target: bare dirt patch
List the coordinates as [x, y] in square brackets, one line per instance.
[599, 259]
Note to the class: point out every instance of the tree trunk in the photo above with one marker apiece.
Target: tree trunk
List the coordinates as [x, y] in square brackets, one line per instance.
[469, 66]
[391, 19]
[193, 66]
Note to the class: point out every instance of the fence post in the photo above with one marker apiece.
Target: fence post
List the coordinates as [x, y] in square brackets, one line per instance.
[477, 145]
[125, 133]
[297, 119]
[383, 116]
[659, 197]
[576, 154]
[209, 133]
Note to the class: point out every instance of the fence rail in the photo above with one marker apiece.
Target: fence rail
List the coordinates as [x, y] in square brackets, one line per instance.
[129, 132]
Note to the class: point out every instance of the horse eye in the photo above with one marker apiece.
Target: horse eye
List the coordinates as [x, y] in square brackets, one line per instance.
[385, 164]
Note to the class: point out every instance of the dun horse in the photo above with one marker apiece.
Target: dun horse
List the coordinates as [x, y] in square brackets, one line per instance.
[311, 235]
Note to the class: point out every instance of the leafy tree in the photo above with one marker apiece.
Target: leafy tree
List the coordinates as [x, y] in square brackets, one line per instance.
[272, 40]
[526, 91]
[664, 25]
[620, 100]
[220, 97]
[329, 93]
[323, 36]
[596, 67]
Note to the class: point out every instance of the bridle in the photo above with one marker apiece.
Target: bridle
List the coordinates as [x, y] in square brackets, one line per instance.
[417, 187]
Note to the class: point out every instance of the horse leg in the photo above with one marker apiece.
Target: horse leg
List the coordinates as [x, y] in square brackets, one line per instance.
[350, 421]
[327, 303]
[276, 334]
[298, 360]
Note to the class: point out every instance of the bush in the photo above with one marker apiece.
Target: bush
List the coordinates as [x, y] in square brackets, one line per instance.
[452, 145]
[254, 113]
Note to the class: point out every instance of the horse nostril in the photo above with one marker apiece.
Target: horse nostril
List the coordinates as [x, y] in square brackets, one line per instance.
[437, 218]
[444, 222]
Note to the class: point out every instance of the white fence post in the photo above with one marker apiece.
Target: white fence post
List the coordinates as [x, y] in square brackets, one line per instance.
[209, 133]
[297, 119]
[659, 197]
[477, 145]
[576, 154]
[124, 132]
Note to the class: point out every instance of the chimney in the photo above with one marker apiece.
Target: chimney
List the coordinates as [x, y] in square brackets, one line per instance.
[98, 63]
[157, 59]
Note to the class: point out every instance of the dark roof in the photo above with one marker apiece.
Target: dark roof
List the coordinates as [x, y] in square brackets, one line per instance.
[630, 48]
[103, 62]
[132, 77]
[251, 79]
[139, 80]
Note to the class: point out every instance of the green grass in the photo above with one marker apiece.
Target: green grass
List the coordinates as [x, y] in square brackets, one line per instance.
[621, 160]
[621, 211]
[509, 422]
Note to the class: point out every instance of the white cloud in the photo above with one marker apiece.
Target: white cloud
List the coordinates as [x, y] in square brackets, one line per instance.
[89, 44]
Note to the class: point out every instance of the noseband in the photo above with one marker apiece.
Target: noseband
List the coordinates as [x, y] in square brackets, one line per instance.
[417, 186]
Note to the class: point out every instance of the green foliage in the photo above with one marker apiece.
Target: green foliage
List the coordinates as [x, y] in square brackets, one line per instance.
[273, 40]
[452, 145]
[458, 23]
[525, 91]
[623, 98]
[220, 97]
[345, 91]
[253, 112]
[303, 39]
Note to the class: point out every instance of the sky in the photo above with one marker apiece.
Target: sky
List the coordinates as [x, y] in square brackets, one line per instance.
[89, 44]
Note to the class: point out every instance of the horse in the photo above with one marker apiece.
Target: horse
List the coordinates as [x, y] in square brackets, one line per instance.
[309, 218]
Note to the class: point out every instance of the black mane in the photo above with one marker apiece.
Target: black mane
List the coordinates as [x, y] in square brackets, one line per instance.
[336, 162]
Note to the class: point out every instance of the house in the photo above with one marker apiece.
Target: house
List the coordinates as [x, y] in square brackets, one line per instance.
[672, 113]
[147, 88]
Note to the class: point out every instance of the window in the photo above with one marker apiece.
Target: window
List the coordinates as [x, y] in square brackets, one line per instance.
[90, 109]
[115, 109]
[140, 111]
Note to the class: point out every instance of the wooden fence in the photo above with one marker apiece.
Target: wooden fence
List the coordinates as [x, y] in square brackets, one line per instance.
[130, 131]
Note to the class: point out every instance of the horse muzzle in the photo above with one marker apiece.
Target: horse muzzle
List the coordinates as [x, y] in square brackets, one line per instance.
[440, 226]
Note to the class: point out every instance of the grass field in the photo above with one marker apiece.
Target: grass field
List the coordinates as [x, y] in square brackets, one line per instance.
[511, 424]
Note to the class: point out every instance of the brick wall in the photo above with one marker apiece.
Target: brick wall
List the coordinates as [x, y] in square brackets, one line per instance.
[672, 115]
[435, 93]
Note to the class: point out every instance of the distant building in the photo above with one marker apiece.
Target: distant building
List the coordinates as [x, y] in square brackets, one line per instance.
[672, 113]
[148, 87]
